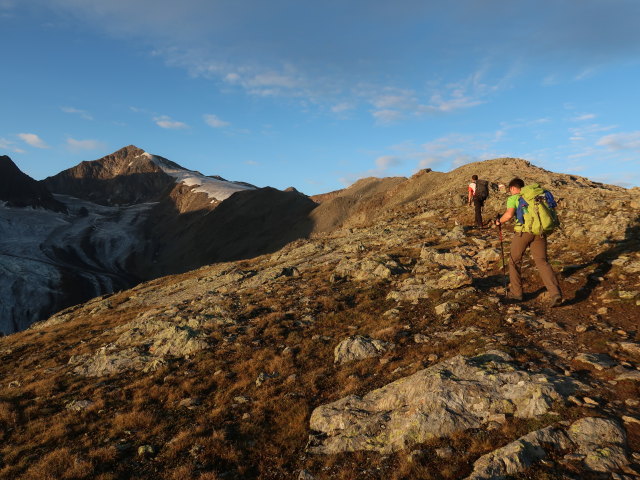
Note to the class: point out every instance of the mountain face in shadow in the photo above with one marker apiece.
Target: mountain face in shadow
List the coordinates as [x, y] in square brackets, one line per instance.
[125, 177]
[18, 189]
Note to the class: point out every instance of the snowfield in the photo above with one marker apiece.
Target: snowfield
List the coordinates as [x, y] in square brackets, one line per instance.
[215, 189]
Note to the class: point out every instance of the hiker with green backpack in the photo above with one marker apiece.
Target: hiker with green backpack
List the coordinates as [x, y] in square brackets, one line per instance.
[534, 211]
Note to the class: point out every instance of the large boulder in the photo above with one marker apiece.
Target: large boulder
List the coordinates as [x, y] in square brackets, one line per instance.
[452, 396]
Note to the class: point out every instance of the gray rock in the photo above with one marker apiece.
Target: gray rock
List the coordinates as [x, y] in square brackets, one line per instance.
[146, 451]
[603, 442]
[631, 348]
[600, 361]
[450, 280]
[449, 397]
[629, 375]
[305, 475]
[358, 347]
[519, 455]
[78, 405]
[446, 307]
[488, 257]
[598, 444]
[143, 344]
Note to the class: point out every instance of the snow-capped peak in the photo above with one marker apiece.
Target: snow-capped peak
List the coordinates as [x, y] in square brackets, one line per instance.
[214, 188]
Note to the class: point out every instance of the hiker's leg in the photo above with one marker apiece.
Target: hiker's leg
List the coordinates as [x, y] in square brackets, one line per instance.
[519, 244]
[539, 255]
[478, 210]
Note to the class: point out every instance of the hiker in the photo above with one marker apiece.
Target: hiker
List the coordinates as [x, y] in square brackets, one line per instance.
[478, 192]
[523, 238]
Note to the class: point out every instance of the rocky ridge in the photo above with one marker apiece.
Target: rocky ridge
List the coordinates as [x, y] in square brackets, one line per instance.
[230, 370]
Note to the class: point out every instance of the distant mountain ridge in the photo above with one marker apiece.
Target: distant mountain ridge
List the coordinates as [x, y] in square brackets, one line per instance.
[20, 190]
[127, 217]
[133, 216]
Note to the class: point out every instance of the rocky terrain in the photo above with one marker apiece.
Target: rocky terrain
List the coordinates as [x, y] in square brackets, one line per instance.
[375, 348]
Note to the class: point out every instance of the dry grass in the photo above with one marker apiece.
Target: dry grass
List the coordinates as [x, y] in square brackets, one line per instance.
[241, 430]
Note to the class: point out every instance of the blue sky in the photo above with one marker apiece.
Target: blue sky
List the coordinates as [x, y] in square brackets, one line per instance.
[316, 94]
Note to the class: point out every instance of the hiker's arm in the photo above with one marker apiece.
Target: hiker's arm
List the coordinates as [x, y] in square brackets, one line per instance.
[508, 215]
[469, 196]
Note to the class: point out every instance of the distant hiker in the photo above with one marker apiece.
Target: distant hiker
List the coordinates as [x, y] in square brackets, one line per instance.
[478, 192]
[531, 230]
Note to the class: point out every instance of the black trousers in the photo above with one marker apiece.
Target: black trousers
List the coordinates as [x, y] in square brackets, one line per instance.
[477, 205]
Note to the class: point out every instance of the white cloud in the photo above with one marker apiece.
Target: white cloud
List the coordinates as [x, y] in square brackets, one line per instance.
[621, 141]
[33, 140]
[80, 145]
[587, 132]
[214, 121]
[342, 107]
[9, 145]
[386, 117]
[76, 111]
[165, 121]
[583, 117]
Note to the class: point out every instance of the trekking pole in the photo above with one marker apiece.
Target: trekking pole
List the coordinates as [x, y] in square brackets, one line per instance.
[504, 265]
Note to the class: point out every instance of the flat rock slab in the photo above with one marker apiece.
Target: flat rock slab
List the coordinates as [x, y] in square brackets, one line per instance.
[451, 396]
[143, 344]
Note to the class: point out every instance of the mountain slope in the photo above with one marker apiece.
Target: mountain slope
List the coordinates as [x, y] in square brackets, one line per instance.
[18, 189]
[324, 359]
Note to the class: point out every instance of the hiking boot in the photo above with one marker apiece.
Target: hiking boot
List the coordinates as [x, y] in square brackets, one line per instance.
[510, 299]
[554, 300]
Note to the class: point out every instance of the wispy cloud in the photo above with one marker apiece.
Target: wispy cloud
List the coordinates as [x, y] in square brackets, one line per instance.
[387, 117]
[454, 149]
[584, 117]
[164, 121]
[81, 145]
[621, 141]
[76, 111]
[342, 107]
[587, 132]
[214, 121]
[10, 146]
[33, 140]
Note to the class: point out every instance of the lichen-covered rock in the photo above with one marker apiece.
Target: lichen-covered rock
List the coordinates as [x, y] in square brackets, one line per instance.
[600, 361]
[382, 266]
[454, 395]
[603, 441]
[359, 347]
[598, 444]
[488, 257]
[450, 280]
[143, 344]
[520, 454]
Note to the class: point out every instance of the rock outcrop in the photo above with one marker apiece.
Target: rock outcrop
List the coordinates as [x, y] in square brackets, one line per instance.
[452, 396]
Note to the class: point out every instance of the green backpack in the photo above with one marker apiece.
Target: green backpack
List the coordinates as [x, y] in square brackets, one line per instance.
[536, 212]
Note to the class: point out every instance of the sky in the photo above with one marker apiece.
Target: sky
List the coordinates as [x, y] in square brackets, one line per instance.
[316, 94]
